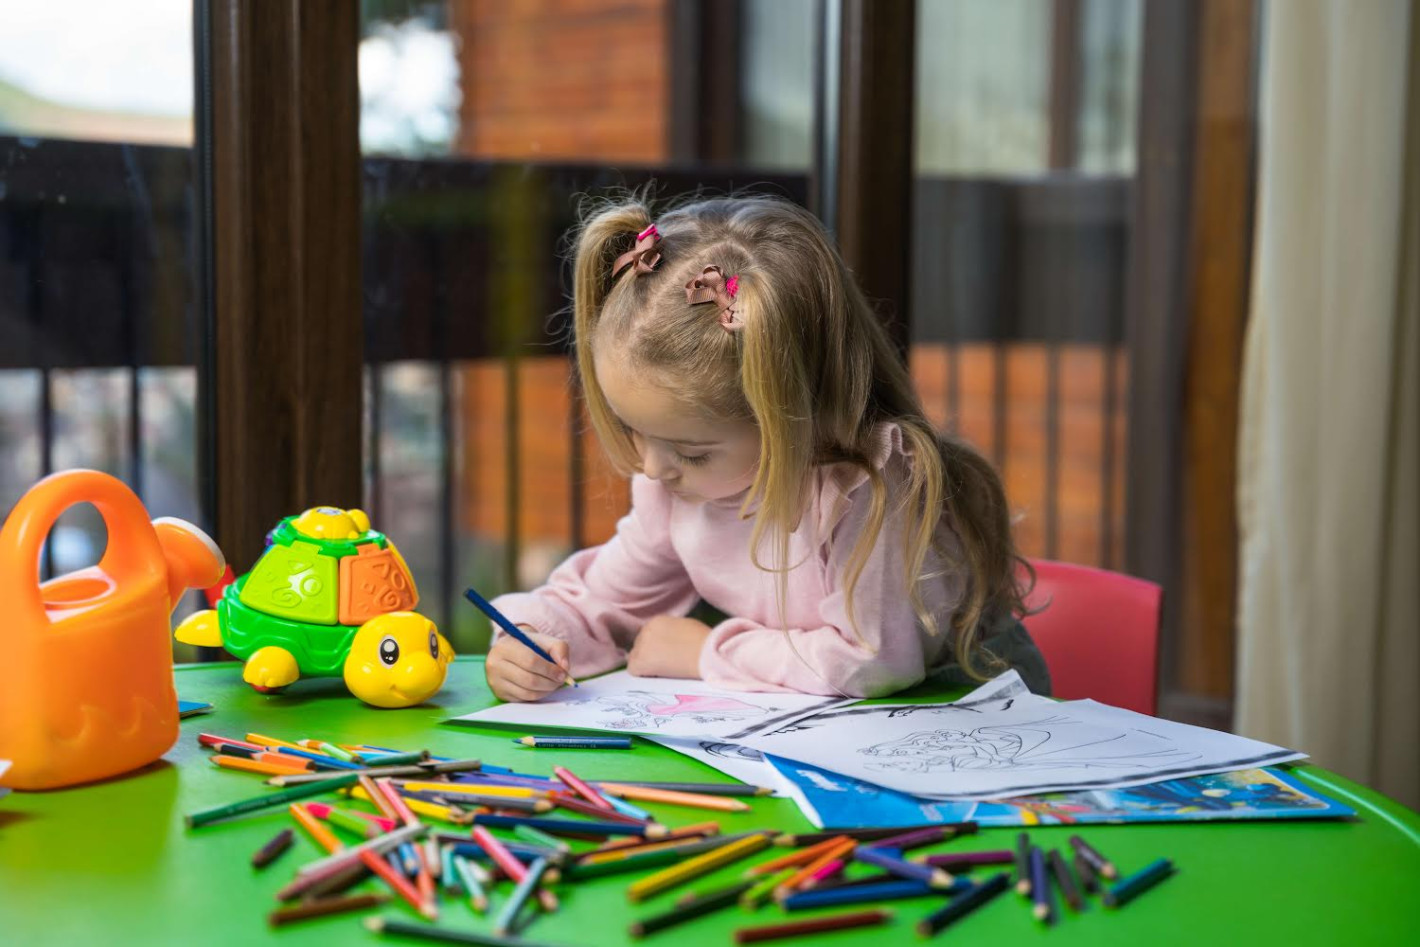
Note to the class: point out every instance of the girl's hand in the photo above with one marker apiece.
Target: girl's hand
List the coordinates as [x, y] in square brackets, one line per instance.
[668, 646]
[514, 672]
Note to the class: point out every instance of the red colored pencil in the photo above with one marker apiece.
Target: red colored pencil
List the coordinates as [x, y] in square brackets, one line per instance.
[834, 922]
[583, 790]
[507, 861]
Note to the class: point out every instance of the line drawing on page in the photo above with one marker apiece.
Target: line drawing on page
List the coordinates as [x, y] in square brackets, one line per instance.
[643, 710]
[1045, 743]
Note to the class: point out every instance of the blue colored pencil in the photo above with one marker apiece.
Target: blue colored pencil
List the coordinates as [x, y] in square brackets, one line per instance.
[888, 860]
[326, 762]
[503, 923]
[1137, 883]
[964, 904]
[577, 743]
[477, 894]
[514, 632]
[626, 808]
[574, 826]
[1044, 909]
[857, 894]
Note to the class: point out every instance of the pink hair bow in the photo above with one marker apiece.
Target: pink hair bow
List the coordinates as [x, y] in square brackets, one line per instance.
[711, 286]
[644, 255]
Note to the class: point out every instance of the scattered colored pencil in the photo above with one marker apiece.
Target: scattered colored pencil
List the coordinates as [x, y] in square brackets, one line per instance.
[471, 789]
[536, 836]
[819, 925]
[917, 838]
[693, 868]
[961, 861]
[627, 809]
[691, 908]
[1136, 884]
[472, 884]
[514, 632]
[764, 888]
[885, 891]
[1065, 881]
[797, 859]
[1102, 866]
[320, 907]
[1088, 879]
[581, 788]
[269, 801]
[214, 740]
[273, 849]
[261, 740]
[507, 917]
[840, 848]
[675, 797]
[576, 743]
[704, 789]
[565, 800]
[507, 861]
[685, 831]
[1023, 865]
[389, 925]
[255, 766]
[790, 840]
[571, 826]
[887, 860]
[1043, 905]
[963, 904]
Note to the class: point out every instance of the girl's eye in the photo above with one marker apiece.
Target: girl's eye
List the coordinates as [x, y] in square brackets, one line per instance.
[693, 461]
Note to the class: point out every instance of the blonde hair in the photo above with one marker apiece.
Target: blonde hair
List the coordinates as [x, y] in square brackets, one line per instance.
[812, 367]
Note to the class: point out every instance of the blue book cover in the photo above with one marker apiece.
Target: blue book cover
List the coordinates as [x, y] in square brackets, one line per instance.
[831, 800]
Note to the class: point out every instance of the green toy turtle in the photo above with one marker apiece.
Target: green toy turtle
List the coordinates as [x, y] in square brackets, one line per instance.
[330, 597]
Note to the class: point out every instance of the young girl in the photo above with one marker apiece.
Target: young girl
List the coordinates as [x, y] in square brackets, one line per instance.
[783, 472]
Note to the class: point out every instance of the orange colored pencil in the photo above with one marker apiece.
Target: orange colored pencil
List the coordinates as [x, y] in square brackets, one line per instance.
[400, 884]
[675, 797]
[254, 766]
[843, 847]
[582, 789]
[316, 829]
[376, 795]
[796, 859]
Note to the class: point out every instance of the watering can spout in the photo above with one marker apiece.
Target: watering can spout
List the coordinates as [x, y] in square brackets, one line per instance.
[194, 561]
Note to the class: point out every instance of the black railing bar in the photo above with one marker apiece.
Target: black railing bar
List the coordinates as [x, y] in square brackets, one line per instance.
[46, 454]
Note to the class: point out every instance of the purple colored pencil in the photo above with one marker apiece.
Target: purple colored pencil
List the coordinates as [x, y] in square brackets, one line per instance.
[889, 861]
[965, 860]
[917, 838]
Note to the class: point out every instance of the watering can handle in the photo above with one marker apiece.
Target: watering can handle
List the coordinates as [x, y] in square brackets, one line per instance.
[132, 553]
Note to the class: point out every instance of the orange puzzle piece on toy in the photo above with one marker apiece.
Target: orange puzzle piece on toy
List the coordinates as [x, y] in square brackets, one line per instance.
[372, 583]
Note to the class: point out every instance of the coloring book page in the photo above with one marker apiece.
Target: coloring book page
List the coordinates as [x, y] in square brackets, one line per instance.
[995, 743]
[621, 703]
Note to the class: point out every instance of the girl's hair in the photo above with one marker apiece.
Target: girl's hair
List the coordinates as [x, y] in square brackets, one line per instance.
[811, 366]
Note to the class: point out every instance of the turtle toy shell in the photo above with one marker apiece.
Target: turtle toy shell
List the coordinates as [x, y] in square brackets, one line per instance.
[324, 576]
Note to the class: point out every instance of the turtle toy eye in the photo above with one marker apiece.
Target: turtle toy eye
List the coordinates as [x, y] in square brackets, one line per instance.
[389, 651]
[434, 646]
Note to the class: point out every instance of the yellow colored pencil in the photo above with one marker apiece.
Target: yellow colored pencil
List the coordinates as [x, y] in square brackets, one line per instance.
[473, 789]
[431, 809]
[693, 868]
[260, 740]
[255, 766]
[675, 797]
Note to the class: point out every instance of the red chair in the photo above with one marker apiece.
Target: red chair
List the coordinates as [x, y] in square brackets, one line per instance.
[1099, 633]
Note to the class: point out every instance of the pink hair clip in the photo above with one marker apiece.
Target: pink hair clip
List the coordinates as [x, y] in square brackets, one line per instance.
[644, 256]
[711, 286]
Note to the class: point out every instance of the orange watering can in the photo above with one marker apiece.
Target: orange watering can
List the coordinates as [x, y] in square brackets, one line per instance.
[86, 683]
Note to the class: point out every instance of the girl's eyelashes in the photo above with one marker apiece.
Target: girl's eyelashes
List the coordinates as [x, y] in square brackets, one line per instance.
[695, 461]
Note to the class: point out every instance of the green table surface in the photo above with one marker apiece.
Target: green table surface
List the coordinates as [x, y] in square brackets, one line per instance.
[113, 863]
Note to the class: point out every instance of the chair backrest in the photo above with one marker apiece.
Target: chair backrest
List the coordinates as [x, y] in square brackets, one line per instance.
[1099, 633]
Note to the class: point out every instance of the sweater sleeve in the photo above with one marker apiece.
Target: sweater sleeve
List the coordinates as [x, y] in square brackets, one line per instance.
[885, 654]
[599, 598]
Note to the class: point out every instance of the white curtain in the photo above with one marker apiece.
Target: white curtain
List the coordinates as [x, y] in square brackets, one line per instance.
[1329, 598]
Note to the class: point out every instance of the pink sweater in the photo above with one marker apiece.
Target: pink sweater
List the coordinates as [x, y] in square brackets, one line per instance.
[668, 553]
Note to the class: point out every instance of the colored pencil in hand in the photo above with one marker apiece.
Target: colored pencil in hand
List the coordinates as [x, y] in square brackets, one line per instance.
[514, 632]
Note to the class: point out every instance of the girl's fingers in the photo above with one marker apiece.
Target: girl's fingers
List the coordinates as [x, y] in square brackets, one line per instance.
[528, 678]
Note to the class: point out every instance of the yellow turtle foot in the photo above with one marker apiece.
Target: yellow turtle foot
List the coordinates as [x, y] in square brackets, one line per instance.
[270, 668]
[200, 628]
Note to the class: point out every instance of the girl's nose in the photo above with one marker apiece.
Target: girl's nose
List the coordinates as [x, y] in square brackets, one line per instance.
[656, 467]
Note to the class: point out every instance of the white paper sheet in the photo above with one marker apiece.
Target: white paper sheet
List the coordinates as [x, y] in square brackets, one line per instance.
[997, 742]
[621, 703]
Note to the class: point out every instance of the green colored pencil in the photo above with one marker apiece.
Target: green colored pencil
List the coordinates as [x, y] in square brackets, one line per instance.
[270, 800]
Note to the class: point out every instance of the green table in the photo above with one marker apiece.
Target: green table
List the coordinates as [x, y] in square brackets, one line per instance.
[113, 863]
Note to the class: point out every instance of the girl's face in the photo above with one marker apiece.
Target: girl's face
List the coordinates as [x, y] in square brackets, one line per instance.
[692, 457]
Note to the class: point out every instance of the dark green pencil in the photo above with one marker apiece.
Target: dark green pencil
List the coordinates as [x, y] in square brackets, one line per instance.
[270, 800]
[1137, 883]
[691, 908]
[388, 925]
